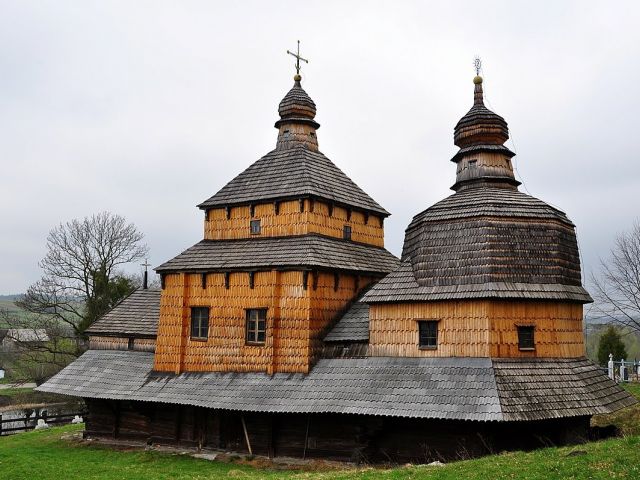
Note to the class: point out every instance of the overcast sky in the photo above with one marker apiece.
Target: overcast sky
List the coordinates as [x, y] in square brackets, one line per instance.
[147, 108]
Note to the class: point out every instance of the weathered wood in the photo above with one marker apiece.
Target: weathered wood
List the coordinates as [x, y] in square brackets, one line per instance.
[296, 320]
[290, 219]
[477, 328]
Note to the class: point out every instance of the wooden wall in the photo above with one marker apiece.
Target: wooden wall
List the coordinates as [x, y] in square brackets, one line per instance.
[97, 342]
[477, 328]
[290, 221]
[357, 438]
[296, 319]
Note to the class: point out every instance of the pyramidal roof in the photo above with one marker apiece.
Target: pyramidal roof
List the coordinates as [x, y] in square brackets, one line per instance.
[296, 168]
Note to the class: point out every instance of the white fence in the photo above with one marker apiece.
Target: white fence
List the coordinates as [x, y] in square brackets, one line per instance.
[623, 371]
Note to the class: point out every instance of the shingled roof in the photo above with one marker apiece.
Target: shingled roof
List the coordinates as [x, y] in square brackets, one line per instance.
[487, 242]
[137, 315]
[478, 389]
[293, 173]
[307, 251]
[401, 286]
[353, 326]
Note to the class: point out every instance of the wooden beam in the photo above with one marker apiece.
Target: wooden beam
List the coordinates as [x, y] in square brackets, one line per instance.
[246, 434]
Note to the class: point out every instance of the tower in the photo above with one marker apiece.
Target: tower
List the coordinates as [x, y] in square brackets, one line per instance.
[288, 244]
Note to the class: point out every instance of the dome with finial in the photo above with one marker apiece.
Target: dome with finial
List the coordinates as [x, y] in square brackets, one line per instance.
[487, 240]
[480, 126]
[297, 106]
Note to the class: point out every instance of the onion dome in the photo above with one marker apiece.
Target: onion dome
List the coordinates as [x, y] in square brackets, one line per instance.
[480, 126]
[297, 107]
[487, 240]
[482, 157]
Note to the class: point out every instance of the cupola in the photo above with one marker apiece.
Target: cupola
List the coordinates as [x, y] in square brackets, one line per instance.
[297, 127]
[482, 157]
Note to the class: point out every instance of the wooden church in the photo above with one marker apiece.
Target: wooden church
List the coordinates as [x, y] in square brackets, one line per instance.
[289, 330]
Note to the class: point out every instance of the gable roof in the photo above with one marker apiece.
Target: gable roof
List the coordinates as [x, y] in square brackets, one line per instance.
[293, 173]
[273, 252]
[136, 315]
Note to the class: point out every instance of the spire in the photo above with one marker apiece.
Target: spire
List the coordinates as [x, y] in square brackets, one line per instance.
[481, 135]
[478, 96]
[477, 81]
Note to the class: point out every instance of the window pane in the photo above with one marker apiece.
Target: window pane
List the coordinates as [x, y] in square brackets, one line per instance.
[525, 337]
[199, 322]
[428, 333]
[256, 325]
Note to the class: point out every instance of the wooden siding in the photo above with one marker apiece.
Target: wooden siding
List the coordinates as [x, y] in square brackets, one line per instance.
[296, 319]
[327, 302]
[478, 328]
[290, 221]
[97, 342]
[355, 438]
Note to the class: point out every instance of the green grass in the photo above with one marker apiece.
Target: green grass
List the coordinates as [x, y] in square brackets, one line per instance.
[24, 396]
[15, 392]
[13, 310]
[46, 455]
[56, 453]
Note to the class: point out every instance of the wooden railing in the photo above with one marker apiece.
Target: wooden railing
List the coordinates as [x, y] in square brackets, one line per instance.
[30, 422]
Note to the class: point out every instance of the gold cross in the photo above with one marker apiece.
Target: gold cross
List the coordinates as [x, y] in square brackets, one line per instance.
[298, 58]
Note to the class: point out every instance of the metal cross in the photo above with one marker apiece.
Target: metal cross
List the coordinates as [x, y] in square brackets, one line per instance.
[298, 58]
[145, 264]
[477, 64]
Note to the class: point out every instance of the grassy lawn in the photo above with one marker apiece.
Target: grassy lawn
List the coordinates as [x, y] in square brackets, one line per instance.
[15, 392]
[55, 453]
[45, 455]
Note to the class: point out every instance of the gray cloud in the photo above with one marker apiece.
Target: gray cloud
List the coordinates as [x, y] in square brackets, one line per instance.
[147, 108]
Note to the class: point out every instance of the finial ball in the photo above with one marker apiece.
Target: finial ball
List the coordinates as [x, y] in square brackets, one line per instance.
[477, 80]
[297, 77]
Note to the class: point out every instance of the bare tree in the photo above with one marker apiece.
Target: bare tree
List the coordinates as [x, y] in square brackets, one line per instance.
[617, 288]
[81, 281]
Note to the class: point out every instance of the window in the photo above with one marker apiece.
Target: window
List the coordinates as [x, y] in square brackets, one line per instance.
[255, 227]
[473, 163]
[256, 325]
[428, 334]
[131, 343]
[200, 323]
[525, 338]
[346, 232]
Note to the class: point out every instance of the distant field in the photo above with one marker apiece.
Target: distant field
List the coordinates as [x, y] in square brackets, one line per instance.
[6, 303]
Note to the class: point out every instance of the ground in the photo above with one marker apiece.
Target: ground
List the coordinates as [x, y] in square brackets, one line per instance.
[47, 454]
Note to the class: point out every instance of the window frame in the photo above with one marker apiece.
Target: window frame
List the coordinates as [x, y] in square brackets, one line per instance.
[347, 231]
[522, 329]
[252, 328]
[199, 328]
[428, 323]
[253, 230]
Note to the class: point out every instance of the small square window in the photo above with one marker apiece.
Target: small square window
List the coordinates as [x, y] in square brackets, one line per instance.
[428, 334]
[346, 232]
[200, 323]
[255, 227]
[473, 163]
[256, 325]
[525, 338]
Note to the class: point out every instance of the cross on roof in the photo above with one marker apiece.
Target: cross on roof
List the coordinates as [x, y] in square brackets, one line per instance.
[145, 264]
[477, 64]
[298, 58]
